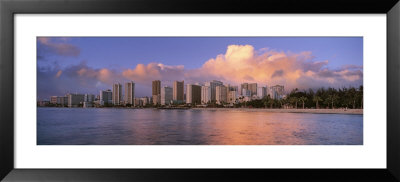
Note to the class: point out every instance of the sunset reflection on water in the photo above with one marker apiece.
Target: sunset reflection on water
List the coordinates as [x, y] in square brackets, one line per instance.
[64, 126]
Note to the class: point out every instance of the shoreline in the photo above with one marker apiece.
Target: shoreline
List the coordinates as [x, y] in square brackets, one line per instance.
[311, 111]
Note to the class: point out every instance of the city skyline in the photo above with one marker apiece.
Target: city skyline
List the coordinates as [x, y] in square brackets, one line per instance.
[65, 65]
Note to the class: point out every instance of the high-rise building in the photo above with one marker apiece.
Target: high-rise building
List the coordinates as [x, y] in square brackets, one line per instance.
[243, 86]
[105, 97]
[205, 94]
[117, 94]
[193, 94]
[53, 100]
[130, 93]
[166, 95]
[232, 95]
[88, 100]
[277, 91]
[156, 92]
[178, 91]
[246, 93]
[137, 102]
[145, 100]
[253, 88]
[74, 100]
[213, 84]
[62, 101]
[261, 92]
[220, 94]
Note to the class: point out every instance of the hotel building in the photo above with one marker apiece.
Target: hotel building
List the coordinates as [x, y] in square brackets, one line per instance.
[166, 95]
[277, 91]
[261, 92]
[156, 92]
[205, 94]
[213, 85]
[221, 94]
[178, 91]
[117, 94]
[193, 94]
[105, 97]
[74, 100]
[130, 93]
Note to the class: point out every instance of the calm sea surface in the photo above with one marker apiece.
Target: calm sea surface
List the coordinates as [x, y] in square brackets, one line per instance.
[110, 126]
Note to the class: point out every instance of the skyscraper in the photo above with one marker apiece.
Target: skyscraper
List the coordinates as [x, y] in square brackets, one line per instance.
[220, 94]
[253, 88]
[74, 100]
[105, 97]
[193, 94]
[156, 92]
[232, 94]
[178, 91]
[213, 84]
[129, 93]
[117, 94]
[205, 94]
[243, 86]
[277, 91]
[88, 100]
[261, 92]
[166, 95]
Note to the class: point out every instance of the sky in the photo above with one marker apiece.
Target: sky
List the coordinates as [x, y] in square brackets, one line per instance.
[90, 64]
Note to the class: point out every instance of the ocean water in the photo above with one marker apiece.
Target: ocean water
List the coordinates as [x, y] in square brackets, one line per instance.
[112, 126]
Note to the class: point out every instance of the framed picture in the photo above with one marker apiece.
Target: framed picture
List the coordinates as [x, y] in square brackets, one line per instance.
[129, 90]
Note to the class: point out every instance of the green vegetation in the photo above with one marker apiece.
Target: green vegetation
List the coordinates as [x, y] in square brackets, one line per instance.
[331, 98]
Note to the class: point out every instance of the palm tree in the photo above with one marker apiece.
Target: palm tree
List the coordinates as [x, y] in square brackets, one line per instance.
[294, 100]
[332, 99]
[303, 99]
[271, 102]
[317, 99]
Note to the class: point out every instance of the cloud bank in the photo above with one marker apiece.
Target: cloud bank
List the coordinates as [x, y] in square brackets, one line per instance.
[240, 63]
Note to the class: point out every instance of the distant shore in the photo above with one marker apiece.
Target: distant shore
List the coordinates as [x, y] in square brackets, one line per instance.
[315, 111]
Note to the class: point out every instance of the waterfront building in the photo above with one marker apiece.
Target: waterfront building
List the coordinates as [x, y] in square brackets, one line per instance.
[166, 95]
[232, 95]
[43, 103]
[117, 94]
[156, 92]
[277, 91]
[205, 94]
[246, 93]
[130, 93]
[193, 94]
[178, 91]
[145, 100]
[105, 97]
[88, 100]
[62, 101]
[53, 100]
[74, 100]
[234, 88]
[253, 88]
[137, 102]
[261, 92]
[220, 94]
[243, 86]
[213, 85]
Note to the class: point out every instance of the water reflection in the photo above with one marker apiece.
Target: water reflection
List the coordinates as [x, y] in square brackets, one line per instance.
[64, 126]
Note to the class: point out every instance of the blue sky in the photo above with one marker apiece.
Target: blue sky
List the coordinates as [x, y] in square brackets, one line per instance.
[122, 55]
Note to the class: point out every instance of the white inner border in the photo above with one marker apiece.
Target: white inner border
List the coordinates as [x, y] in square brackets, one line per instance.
[370, 155]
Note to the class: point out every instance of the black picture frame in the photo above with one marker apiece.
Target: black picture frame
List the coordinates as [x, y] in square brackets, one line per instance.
[9, 8]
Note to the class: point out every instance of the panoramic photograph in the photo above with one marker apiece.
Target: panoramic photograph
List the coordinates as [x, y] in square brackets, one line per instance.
[200, 90]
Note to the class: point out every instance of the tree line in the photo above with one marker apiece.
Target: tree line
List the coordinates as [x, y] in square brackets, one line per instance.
[322, 98]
